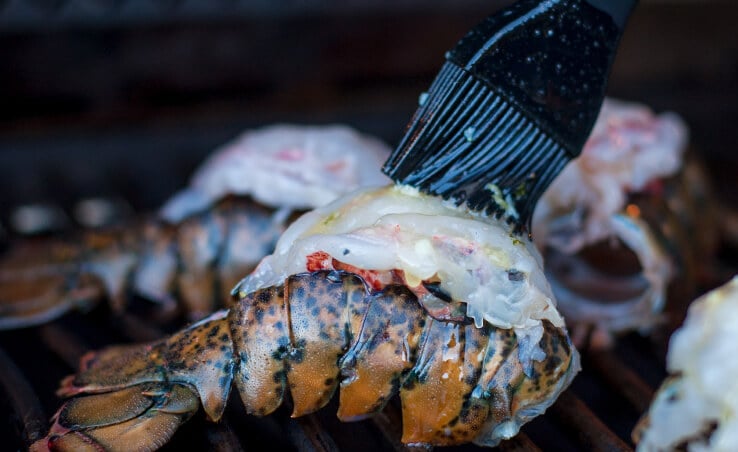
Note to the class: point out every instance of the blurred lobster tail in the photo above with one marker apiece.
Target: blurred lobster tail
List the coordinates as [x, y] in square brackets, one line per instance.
[312, 334]
[44, 279]
[198, 259]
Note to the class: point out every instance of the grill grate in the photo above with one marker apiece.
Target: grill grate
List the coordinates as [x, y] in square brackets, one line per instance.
[596, 413]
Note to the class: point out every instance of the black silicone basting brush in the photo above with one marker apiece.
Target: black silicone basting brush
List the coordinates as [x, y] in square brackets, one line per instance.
[514, 102]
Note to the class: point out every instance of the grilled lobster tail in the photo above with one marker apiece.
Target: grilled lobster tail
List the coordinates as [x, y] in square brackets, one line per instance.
[199, 259]
[312, 334]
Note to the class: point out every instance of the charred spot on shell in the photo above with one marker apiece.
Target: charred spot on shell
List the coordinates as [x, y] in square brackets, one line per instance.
[447, 311]
[434, 288]
[439, 304]
[515, 275]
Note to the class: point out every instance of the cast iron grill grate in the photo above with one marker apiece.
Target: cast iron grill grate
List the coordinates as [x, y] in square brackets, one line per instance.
[596, 413]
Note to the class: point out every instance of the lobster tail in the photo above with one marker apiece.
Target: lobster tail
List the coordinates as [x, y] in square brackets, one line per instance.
[42, 281]
[122, 420]
[200, 357]
[310, 335]
[136, 396]
[198, 259]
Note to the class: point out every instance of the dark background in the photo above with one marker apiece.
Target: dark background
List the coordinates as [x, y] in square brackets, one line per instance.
[125, 96]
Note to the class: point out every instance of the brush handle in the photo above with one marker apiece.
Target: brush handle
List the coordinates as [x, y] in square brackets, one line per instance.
[551, 59]
[619, 10]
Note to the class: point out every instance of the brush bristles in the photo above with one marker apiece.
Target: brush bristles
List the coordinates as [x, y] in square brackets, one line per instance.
[467, 143]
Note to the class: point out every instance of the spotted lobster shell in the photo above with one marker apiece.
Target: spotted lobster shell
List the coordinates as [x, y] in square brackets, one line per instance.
[315, 333]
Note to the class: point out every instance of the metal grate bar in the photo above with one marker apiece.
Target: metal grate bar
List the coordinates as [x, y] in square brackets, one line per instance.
[592, 433]
[622, 379]
[389, 423]
[23, 400]
[309, 435]
[137, 328]
[519, 443]
[65, 344]
[222, 438]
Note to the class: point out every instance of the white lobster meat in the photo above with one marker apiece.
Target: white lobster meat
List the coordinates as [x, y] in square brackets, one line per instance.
[285, 166]
[696, 408]
[630, 151]
[211, 234]
[497, 274]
